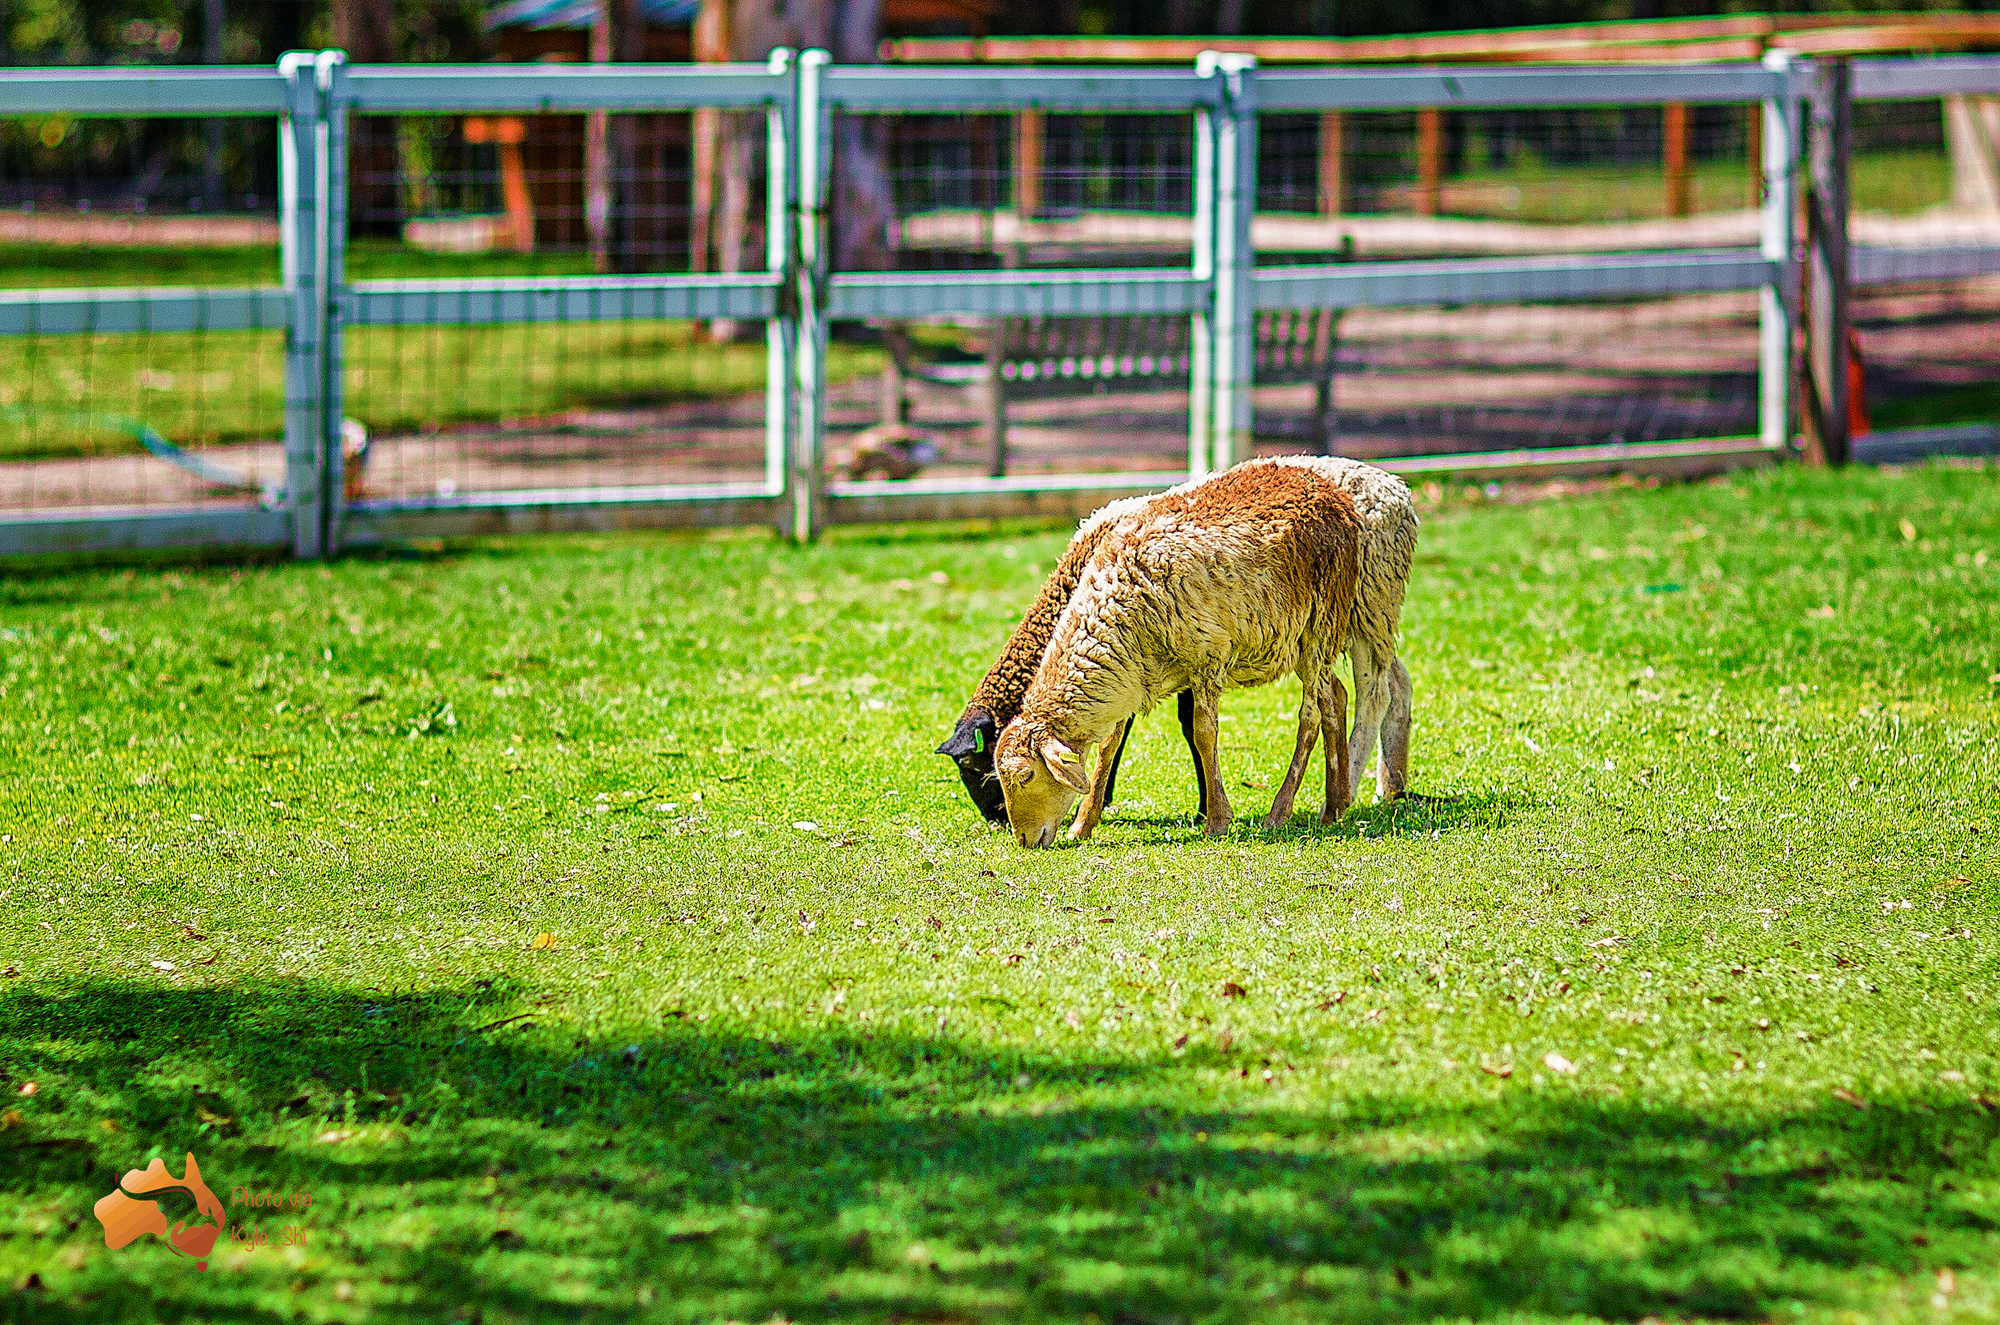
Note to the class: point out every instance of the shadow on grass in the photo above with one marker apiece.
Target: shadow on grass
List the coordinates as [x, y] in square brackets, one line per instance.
[1413, 816]
[513, 1174]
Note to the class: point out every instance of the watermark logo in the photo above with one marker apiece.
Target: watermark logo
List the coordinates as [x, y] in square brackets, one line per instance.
[127, 1218]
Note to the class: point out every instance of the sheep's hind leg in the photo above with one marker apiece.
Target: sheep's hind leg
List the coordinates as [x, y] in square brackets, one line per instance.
[1309, 727]
[1333, 723]
[1215, 821]
[1392, 770]
[1092, 810]
[1371, 699]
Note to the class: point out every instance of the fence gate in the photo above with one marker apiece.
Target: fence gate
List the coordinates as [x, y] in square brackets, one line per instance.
[1091, 286]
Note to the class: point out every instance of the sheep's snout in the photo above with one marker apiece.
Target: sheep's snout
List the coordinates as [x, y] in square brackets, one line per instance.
[1040, 839]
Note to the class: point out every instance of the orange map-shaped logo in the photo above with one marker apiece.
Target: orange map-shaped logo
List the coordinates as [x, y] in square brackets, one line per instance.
[125, 1217]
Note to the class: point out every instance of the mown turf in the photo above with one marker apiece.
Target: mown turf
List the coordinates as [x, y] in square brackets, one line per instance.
[1713, 771]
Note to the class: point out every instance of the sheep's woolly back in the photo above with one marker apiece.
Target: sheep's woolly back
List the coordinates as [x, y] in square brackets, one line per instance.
[999, 693]
[1223, 582]
[1388, 543]
[1389, 539]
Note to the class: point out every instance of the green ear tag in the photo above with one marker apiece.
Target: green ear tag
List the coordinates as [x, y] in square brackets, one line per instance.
[978, 741]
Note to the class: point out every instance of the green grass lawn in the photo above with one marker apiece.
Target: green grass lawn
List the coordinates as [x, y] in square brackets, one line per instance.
[586, 925]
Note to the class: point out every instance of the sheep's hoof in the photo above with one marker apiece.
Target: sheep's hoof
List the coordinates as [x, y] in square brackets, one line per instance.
[1217, 827]
[1277, 820]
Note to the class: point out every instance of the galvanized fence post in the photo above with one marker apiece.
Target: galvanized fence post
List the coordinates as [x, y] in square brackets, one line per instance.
[781, 332]
[300, 175]
[1778, 297]
[330, 76]
[808, 481]
[1201, 266]
[1235, 316]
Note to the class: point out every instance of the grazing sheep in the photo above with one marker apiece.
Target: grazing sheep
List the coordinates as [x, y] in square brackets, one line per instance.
[1233, 580]
[1382, 683]
[998, 698]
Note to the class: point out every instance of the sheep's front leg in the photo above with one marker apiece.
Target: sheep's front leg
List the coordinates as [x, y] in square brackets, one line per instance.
[1333, 720]
[1092, 811]
[1302, 748]
[1392, 770]
[1207, 704]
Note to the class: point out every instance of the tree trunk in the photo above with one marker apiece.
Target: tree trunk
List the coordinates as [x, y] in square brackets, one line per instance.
[366, 30]
[212, 132]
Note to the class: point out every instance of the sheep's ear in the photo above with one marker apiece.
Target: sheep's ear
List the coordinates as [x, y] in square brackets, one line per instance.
[1065, 764]
[975, 735]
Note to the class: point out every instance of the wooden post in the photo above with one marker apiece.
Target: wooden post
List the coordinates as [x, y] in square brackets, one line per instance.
[1826, 276]
[1755, 137]
[1332, 164]
[1430, 160]
[596, 154]
[1674, 132]
[711, 44]
[1028, 131]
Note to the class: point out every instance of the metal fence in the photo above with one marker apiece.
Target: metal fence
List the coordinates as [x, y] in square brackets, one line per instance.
[1223, 344]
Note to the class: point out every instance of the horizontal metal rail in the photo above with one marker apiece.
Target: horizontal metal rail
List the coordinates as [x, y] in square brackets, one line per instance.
[1027, 496]
[103, 311]
[936, 88]
[1410, 89]
[1883, 266]
[386, 89]
[123, 529]
[553, 510]
[1117, 292]
[255, 89]
[558, 299]
[1920, 80]
[1509, 280]
[1703, 455]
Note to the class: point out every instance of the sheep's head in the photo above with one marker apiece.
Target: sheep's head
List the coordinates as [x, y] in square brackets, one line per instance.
[1041, 777]
[971, 747]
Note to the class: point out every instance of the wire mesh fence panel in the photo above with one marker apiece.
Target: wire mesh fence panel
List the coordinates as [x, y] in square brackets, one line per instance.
[1403, 185]
[105, 407]
[575, 393]
[1044, 389]
[1442, 380]
[1926, 177]
[1930, 352]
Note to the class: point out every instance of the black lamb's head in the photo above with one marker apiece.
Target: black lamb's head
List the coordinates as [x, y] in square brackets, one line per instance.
[970, 746]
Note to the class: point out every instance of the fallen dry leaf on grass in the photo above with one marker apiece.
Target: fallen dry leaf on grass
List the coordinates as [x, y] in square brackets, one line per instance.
[29, 1087]
[1011, 959]
[12, 1118]
[1847, 1096]
[1555, 1062]
[543, 940]
[1230, 989]
[1504, 1070]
